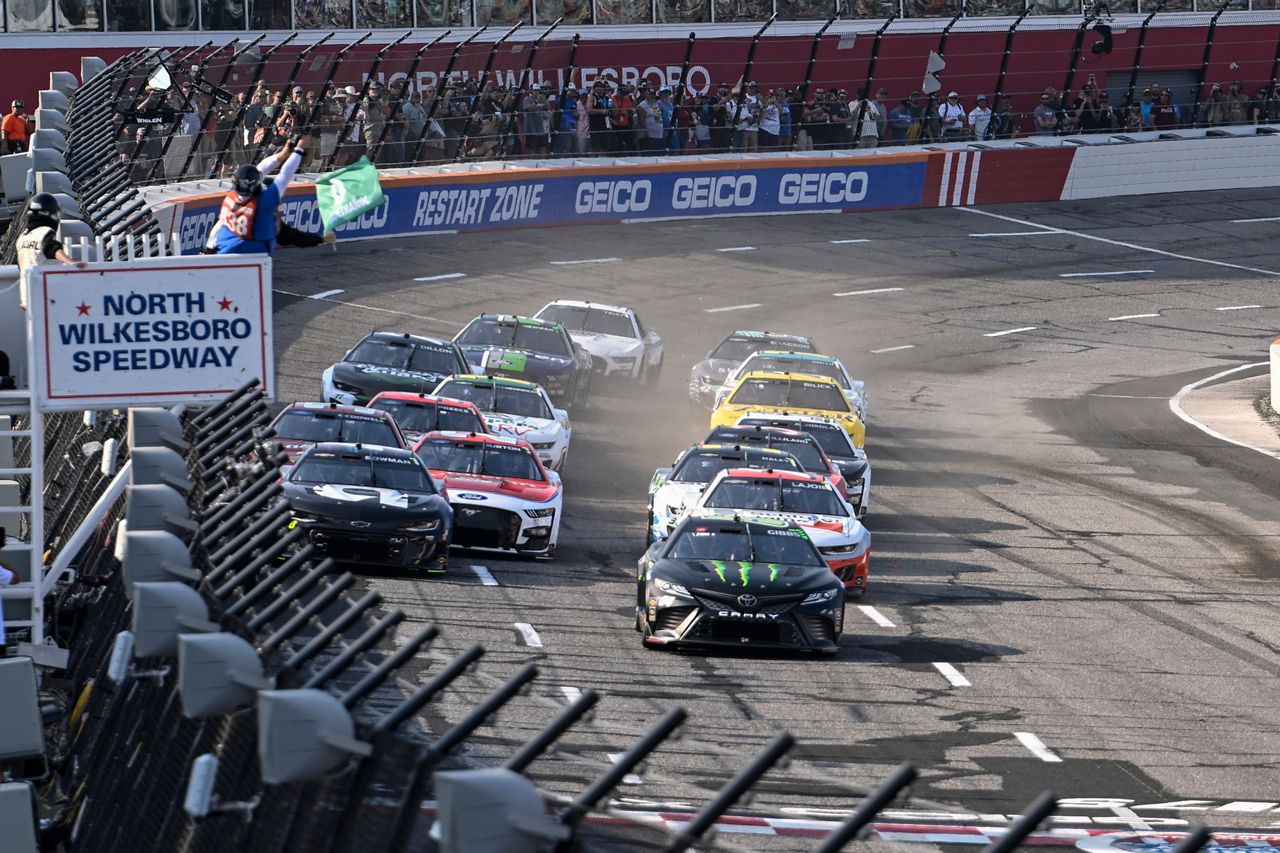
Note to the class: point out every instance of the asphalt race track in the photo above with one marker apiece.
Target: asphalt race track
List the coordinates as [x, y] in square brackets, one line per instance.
[1096, 578]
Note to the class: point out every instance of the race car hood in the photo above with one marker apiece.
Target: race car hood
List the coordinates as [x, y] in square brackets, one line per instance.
[516, 363]
[722, 576]
[363, 503]
[607, 346]
[371, 378]
[293, 448]
[715, 369]
[516, 426]
[462, 485]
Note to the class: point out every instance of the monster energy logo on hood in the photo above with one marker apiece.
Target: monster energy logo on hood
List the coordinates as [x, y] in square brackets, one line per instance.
[742, 569]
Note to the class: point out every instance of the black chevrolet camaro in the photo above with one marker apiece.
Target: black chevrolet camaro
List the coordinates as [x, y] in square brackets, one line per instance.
[721, 581]
[370, 504]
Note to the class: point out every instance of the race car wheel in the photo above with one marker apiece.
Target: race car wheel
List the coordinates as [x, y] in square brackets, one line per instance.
[639, 620]
[653, 374]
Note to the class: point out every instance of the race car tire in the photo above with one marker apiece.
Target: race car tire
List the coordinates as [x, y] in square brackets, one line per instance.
[639, 620]
[653, 374]
[854, 593]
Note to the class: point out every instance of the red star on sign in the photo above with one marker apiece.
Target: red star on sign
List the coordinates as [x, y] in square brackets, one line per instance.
[83, 309]
[224, 304]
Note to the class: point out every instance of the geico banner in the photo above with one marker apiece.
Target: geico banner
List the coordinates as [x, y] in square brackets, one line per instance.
[151, 331]
[568, 195]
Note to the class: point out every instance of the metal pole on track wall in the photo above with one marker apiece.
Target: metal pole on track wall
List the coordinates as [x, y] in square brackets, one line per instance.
[566, 83]
[1204, 62]
[867, 810]
[813, 54]
[236, 123]
[480, 85]
[1008, 49]
[1034, 815]
[1077, 47]
[208, 114]
[354, 109]
[871, 75]
[684, 67]
[527, 72]
[1142, 43]
[404, 91]
[741, 97]
[197, 75]
[441, 82]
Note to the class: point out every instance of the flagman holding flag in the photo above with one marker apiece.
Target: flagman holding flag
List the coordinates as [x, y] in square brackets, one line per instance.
[248, 220]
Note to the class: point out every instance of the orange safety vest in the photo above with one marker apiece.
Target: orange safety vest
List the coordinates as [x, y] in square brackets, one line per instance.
[15, 126]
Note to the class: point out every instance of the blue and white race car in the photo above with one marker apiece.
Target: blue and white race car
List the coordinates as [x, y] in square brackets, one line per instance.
[518, 409]
[533, 350]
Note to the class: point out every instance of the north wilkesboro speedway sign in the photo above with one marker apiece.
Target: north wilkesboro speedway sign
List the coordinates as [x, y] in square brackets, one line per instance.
[152, 332]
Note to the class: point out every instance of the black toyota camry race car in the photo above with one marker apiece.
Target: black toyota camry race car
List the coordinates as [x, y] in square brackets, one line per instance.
[386, 361]
[721, 581]
[370, 504]
[530, 349]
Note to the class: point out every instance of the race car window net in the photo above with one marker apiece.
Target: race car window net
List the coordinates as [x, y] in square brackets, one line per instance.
[793, 393]
[429, 417]
[832, 438]
[579, 318]
[770, 495]
[521, 402]
[323, 426]
[406, 356]
[779, 364]
[404, 476]
[739, 349]
[489, 333]
[747, 543]
[703, 467]
[491, 460]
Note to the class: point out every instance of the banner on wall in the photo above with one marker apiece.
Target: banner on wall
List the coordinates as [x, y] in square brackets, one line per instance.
[454, 204]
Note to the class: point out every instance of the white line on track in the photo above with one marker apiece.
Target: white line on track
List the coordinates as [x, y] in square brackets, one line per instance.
[630, 778]
[952, 675]
[893, 349]
[846, 242]
[1017, 233]
[732, 308]
[1236, 307]
[1260, 219]
[1130, 317]
[429, 319]
[570, 693]
[865, 292]
[585, 261]
[738, 249]
[876, 616]
[447, 275]
[1037, 747]
[530, 636]
[1121, 243]
[1096, 274]
[486, 577]
[1010, 331]
[1175, 406]
[327, 293]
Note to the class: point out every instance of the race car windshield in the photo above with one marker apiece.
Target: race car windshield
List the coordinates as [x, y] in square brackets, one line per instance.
[703, 467]
[401, 474]
[525, 336]
[504, 400]
[406, 356]
[781, 364]
[429, 417]
[491, 460]
[581, 318]
[832, 438]
[790, 393]
[806, 453]
[775, 495]
[325, 426]
[739, 349]
[743, 543]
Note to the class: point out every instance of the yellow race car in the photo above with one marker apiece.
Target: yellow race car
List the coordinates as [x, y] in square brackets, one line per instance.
[792, 393]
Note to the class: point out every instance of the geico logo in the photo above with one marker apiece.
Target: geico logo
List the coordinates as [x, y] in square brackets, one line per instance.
[301, 214]
[613, 196]
[822, 187]
[733, 614]
[370, 219]
[720, 191]
[195, 229]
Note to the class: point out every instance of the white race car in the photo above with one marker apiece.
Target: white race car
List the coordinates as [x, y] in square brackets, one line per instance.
[518, 409]
[852, 461]
[502, 497]
[783, 361]
[618, 342]
[807, 500]
[672, 490]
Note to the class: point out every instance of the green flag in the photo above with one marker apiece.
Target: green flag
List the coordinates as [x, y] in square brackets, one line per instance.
[347, 193]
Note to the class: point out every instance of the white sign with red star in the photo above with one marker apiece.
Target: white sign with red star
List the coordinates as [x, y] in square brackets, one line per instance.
[149, 332]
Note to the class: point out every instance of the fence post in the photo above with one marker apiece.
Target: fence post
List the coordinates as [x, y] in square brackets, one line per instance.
[1142, 42]
[865, 99]
[1008, 49]
[741, 96]
[216, 165]
[208, 114]
[484, 81]
[441, 82]
[1204, 62]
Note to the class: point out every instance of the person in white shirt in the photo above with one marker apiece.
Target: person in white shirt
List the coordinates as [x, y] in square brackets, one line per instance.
[868, 136]
[747, 124]
[980, 118]
[770, 121]
[952, 116]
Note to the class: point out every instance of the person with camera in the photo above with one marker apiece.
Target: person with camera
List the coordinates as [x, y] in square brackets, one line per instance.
[248, 221]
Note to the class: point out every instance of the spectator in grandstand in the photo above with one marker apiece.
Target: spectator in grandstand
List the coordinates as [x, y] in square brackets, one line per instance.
[1148, 101]
[599, 104]
[374, 106]
[865, 112]
[701, 141]
[842, 119]
[745, 115]
[16, 129]
[565, 141]
[882, 110]
[901, 118]
[1132, 120]
[1263, 108]
[979, 118]
[670, 128]
[1003, 124]
[771, 112]
[1046, 116]
[1237, 104]
[1087, 111]
[784, 119]
[415, 122]
[814, 129]
[954, 118]
[622, 116]
[584, 124]
[1164, 115]
[1108, 118]
[717, 119]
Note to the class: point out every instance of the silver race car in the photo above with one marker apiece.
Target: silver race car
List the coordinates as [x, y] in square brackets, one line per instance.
[619, 344]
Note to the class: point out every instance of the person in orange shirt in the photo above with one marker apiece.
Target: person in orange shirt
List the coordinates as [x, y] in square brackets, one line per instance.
[16, 128]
